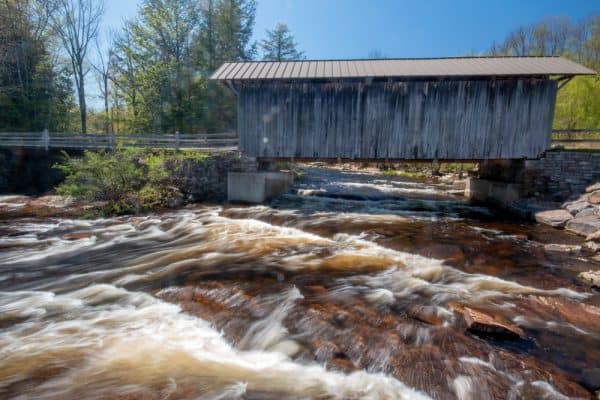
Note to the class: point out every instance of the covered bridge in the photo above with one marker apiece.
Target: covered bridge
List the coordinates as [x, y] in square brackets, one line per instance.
[470, 108]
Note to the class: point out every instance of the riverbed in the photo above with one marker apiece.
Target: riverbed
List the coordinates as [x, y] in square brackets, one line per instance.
[352, 286]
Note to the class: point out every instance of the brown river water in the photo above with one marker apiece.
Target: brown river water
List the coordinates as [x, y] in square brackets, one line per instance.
[351, 287]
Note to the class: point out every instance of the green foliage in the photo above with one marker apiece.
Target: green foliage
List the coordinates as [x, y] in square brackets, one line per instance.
[34, 93]
[126, 180]
[280, 45]
[163, 59]
[578, 104]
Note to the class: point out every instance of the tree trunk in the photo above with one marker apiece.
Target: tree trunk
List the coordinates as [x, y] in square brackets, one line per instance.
[81, 92]
[106, 121]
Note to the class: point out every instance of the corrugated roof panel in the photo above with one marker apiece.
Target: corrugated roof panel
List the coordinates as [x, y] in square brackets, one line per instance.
[287, 72]
[256, 72]
[398, 68]
[296, 67]
[251, 69]
[222, 70]
[234, 71]
[312, 69]
[266, 71]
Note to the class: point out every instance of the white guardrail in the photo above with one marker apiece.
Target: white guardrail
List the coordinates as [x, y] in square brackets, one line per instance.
[47, 140]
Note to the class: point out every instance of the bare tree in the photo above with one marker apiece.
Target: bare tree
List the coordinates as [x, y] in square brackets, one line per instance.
[76, 22]
[102, 66]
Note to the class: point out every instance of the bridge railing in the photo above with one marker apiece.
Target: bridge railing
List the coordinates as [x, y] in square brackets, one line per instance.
[576, 138]
[206, 142]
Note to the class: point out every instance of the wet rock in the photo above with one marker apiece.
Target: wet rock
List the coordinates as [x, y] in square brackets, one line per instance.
[591, 246]
[442, 251]
[590, 211]
[488, 325]
[577, 206]
[590, 277]
[583, 226]
[593, 188]
[76, 235]
[591, 379]
[562, 248]
[594, 236]
[426, 314]
[555, 218]
[594, 197]
[582, 315]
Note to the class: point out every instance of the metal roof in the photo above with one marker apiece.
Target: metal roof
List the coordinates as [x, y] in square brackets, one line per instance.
[398, 68]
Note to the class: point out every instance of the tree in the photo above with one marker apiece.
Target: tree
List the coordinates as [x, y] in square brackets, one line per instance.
[279, 45]
[76, 23]
[34, 94]
[102, 66]
[234, 24]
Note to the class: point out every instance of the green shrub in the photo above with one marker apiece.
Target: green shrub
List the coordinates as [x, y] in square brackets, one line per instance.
[125, 180]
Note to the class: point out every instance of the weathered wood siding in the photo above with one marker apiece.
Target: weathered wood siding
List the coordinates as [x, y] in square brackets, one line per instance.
[478, 119]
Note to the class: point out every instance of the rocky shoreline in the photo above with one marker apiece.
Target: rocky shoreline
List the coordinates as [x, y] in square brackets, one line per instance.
[580, 216]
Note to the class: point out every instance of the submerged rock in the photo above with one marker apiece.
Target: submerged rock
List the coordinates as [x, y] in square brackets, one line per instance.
[76, 235]
[562, 248]
[488, 325]
[555, 218]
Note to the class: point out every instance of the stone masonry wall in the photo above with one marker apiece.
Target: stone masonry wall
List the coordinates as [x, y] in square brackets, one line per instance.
[206, 179]
[562, 173]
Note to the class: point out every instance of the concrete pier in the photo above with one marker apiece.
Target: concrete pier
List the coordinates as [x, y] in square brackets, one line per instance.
[494, 192]
[257, 187]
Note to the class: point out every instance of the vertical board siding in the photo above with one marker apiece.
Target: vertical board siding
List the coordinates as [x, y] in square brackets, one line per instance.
[471, 119]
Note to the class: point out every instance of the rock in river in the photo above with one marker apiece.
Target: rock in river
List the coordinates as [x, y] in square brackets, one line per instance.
[494, 326]
[593, 188]
[594, 197]
[555, 218]
[590, 277]
[584, 226]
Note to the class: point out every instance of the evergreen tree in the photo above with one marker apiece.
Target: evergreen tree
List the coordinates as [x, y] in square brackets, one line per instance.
[280, 45]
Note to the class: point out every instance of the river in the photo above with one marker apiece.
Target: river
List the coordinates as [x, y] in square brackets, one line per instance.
[352, 287]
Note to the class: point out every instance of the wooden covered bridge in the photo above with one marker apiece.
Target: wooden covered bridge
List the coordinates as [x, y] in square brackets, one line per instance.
[471, 108]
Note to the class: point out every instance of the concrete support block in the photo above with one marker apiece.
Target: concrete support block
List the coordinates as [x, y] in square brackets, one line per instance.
[501, 193]
[257, 187]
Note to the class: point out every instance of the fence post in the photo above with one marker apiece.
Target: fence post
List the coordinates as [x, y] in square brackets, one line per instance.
[112, 140]
[46, 139]
[177, 141]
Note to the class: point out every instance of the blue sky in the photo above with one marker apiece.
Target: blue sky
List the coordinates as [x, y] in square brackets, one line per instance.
[426, 28]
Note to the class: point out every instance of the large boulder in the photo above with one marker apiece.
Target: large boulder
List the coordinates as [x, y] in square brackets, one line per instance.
[583, 226]
[555, 218]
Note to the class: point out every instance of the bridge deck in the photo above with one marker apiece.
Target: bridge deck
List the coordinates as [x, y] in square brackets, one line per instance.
[202, 142]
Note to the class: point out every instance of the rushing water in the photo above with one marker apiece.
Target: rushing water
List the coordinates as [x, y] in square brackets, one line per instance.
[344, 290]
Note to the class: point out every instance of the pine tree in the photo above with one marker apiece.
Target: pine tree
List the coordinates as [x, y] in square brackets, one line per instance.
[280, 45]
